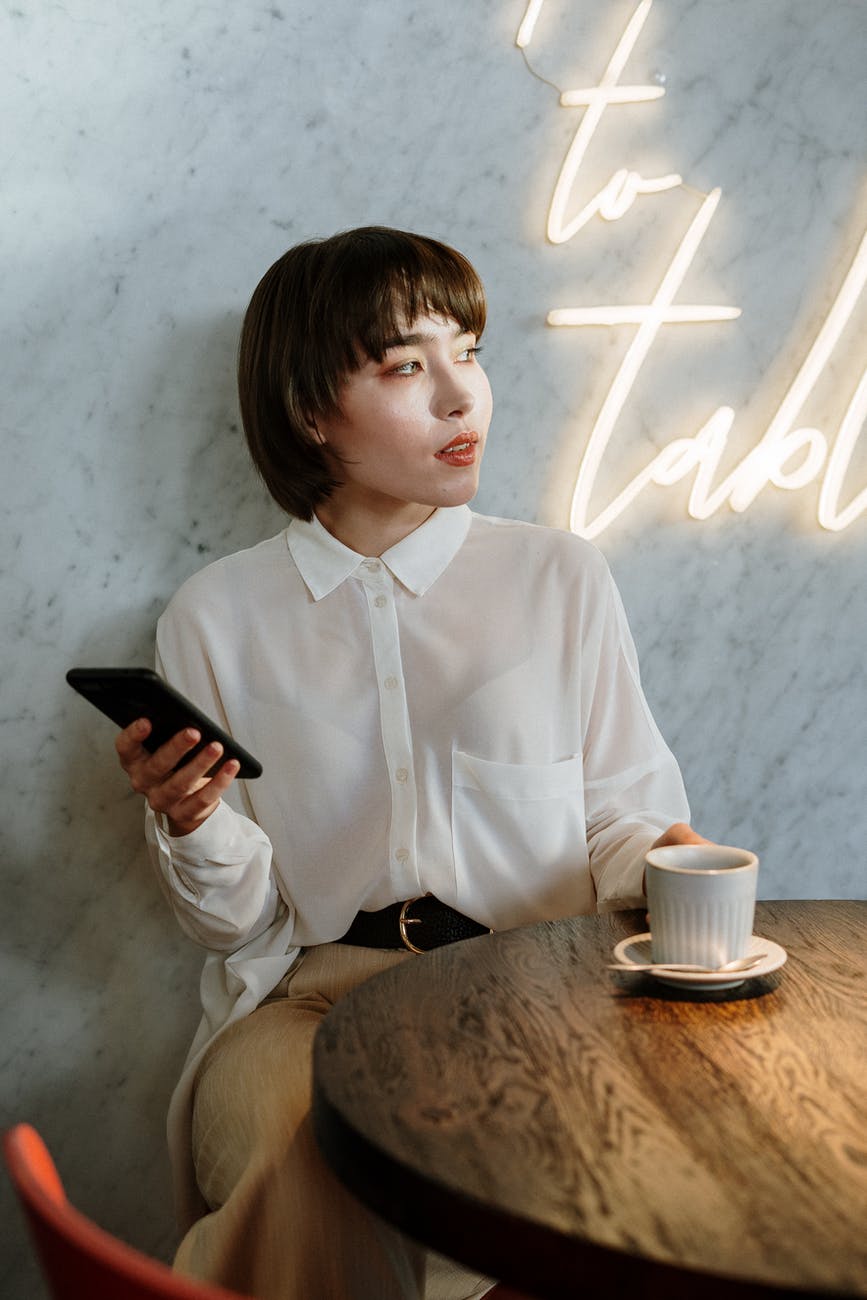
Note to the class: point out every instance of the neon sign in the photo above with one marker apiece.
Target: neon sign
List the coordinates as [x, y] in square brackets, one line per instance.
[787, 456]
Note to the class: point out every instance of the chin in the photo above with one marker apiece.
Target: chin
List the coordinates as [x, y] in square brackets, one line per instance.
[460, 494]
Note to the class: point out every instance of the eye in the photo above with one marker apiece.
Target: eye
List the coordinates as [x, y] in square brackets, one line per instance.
[470, 353]
[406, 368]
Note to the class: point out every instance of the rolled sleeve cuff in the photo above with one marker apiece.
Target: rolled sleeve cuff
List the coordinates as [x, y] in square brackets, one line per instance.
[621, 883]
[209, 856]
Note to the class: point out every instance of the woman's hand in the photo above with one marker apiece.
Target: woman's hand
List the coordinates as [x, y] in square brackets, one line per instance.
[187, 796]
[679, 833]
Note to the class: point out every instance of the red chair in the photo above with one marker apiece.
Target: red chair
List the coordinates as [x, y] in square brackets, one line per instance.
[79, 1259]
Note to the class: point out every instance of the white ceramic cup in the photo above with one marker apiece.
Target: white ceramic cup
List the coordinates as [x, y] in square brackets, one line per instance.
[702, 900]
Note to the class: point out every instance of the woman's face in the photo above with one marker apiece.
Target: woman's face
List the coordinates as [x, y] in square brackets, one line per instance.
[411, 428]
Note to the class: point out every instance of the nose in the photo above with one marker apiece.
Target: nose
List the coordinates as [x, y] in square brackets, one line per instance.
[454, 396]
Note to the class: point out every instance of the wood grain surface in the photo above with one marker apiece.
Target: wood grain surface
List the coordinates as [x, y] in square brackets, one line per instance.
[576, 1131]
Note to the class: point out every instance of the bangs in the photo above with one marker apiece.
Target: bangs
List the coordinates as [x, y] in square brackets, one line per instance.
[433, 286]
[373, 282]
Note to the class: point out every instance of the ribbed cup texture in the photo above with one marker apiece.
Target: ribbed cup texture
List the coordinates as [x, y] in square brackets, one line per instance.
[705, 933]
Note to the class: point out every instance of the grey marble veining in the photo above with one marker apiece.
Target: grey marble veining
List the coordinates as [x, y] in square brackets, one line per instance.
[156, 159]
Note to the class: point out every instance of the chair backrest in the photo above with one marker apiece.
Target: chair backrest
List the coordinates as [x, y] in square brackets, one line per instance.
[78, 1258]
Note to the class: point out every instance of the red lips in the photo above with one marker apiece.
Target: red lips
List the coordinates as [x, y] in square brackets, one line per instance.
[460, 451]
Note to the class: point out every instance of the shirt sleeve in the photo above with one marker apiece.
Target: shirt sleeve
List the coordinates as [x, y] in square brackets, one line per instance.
[633, 789]
[218, 879]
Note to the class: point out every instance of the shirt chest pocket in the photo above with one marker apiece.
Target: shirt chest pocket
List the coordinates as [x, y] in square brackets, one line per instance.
[518, 831]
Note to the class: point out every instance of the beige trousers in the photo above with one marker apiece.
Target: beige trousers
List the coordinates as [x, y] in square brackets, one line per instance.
[282, 1226]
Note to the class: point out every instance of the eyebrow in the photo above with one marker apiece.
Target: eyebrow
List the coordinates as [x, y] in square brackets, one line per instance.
[415, 340]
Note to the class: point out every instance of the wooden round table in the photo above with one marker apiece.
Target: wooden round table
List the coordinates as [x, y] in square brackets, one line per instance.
[573, 1131]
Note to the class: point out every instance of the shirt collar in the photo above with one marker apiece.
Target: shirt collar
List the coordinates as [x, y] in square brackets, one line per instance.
[416, 561]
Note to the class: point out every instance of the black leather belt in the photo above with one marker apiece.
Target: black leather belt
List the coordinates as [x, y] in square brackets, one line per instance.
[419, 924]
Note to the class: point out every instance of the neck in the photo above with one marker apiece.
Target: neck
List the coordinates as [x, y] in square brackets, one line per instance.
[370, 532]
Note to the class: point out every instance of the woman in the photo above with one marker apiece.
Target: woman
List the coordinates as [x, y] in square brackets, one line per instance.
[443, 703]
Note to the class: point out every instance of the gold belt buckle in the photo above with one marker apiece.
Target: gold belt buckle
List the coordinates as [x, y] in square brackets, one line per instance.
[403, 921]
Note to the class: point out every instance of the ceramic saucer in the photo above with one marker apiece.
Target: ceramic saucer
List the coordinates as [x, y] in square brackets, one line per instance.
[636, 950]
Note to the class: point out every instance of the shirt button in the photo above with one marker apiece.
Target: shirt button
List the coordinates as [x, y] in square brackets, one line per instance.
[402, 855]
[390, 683]
[372, 566]
[401, 775]
[380, 601]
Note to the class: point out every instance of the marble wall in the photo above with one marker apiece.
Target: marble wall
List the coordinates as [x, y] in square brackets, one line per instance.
[156, 158]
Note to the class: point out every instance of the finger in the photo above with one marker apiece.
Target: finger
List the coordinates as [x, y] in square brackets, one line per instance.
[181, 782]
[210, 793]
[129, 742]
[163, 761]
[192, 810]
[151, 770]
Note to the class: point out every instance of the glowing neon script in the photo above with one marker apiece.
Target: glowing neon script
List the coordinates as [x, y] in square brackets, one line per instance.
[770, 460]
[528, 23]
[618, 195]
[780, 444]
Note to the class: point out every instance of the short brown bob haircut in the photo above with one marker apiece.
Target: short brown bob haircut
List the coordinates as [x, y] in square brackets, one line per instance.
[316, 316]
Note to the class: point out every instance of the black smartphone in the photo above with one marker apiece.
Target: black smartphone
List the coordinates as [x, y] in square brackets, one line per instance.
[124, 694]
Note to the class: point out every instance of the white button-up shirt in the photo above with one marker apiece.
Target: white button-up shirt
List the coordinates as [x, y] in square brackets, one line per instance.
[461, 715]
